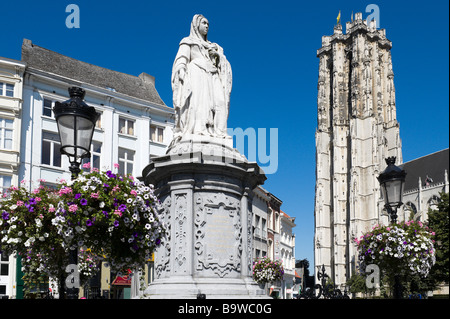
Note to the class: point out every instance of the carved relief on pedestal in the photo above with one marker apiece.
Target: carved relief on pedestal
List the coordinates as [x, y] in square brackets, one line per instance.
[163, 254]
[180, 232]
[218, 241]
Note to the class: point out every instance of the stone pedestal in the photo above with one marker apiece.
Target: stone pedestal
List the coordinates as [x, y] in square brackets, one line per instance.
[205, 187]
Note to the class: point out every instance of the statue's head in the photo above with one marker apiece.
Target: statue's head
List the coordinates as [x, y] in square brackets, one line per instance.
[200, 27]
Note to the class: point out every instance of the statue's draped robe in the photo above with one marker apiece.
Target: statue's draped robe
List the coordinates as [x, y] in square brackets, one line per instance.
[202, 98]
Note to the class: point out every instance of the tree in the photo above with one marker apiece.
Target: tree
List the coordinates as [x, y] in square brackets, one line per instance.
[357, 284]
[303, 263]
[438, 221]
[308, 281]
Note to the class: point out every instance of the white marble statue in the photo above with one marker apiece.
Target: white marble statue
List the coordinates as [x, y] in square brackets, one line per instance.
[201, 84]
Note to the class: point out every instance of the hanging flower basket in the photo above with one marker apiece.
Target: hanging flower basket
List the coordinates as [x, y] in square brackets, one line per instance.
[404, 248]
[26, 229]
[114, 216]
[266, 270]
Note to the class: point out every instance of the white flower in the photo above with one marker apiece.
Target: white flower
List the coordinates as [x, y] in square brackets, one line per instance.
[38, 222]
[101, 205]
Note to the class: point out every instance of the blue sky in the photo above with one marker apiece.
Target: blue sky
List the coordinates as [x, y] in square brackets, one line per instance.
[271, 46]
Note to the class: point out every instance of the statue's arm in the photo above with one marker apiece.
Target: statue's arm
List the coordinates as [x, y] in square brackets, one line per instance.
[181, 60]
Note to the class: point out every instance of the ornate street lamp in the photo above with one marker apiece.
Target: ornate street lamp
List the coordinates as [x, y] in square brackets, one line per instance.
[392, 182]
[76, 122]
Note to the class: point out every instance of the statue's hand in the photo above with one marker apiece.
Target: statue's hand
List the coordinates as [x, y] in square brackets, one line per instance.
[181, 74]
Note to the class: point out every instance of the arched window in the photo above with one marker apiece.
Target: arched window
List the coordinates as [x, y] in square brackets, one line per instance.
[433, 202]
[410, 211]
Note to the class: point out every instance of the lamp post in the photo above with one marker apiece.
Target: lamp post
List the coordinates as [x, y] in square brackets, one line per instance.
[392, 182]
[76, 122]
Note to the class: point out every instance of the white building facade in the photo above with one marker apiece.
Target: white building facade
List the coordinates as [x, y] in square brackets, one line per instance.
[260, 222]
[11, 85]
[134, 125]
[287, 254]
[273, 237]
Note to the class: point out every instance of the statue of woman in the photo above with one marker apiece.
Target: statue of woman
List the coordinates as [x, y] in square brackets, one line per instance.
[201, 84]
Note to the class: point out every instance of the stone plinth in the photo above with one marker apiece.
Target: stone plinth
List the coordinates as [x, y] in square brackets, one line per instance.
[205, 188]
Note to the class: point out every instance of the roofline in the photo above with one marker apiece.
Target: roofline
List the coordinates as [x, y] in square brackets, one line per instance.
[27, 43]
[100, 90]
[13, 61]
[423, 156]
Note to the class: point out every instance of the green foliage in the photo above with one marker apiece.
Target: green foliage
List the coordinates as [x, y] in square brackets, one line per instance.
[357, 284]
[438, 220]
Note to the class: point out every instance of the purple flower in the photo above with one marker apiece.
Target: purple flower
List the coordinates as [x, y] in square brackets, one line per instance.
[105, 213]
[110, 174]
[89, 222]
[123, 208]
[32, 201]
[5, 215]
[83, 201]
[158, 241]
[77, 196]
[116, 223]
[105, 185]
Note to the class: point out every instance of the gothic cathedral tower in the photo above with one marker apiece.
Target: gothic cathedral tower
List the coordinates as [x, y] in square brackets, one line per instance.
[356, 130]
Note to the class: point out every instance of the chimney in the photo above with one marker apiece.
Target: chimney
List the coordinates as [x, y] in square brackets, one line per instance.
[147, 78]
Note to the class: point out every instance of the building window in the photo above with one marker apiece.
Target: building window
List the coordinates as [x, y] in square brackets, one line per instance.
[156, 133]
[263, 228]
[126, 126]
[51, 149]
[47, 108]
[94, 159]
[98, 124]
[6, 133]
[5, 183]
[257, 229]
[4, 265]
[126, 159]
[6, 89]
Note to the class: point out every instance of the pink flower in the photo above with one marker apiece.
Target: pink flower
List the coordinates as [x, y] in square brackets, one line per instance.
[94, 195]
[19, 203]
[118, 212]
[116, 165]
[73, 208]
[65, 190]
[133, 192]
[38, 199]
[51, 209]
[87, 165]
